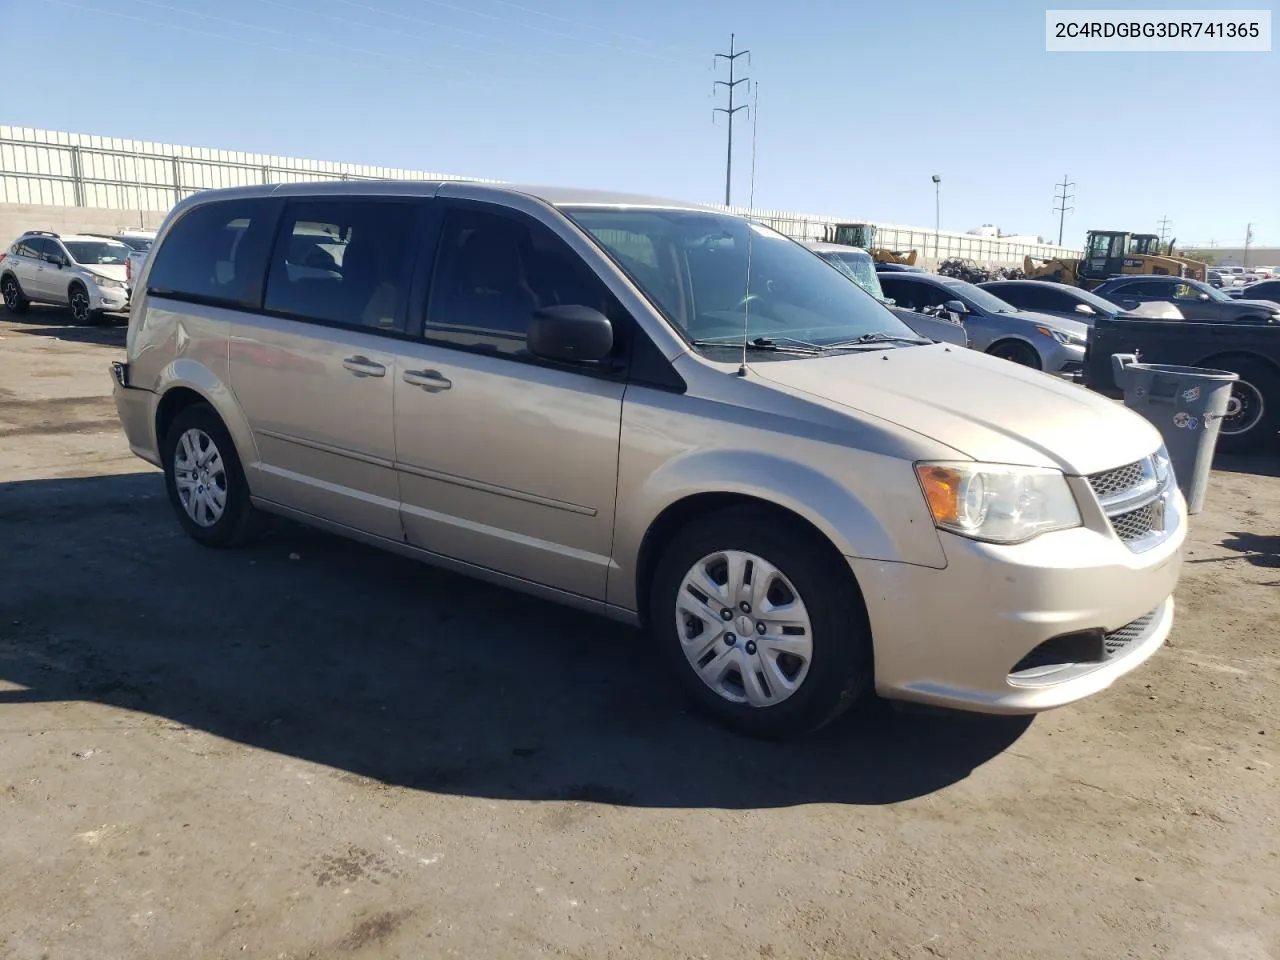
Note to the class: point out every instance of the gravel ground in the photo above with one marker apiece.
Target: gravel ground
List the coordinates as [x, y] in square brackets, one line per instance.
[311, 749]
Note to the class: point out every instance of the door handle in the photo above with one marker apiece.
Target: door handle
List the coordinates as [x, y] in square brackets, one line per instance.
[430, 380]
[364, 367]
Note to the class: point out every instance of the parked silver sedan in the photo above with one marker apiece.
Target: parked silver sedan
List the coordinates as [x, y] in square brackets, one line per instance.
[1072, 303]
[1053, 344]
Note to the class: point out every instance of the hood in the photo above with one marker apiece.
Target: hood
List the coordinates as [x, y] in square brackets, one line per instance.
[111, 271]
[1263, 304]
[986, 408]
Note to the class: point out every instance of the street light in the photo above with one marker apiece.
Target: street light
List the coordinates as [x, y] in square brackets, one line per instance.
[937, 213]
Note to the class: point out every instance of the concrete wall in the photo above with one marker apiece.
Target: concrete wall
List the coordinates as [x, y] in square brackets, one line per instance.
[17, 217]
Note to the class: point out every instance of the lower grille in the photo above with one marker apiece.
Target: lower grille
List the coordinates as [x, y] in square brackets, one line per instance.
[1135, 524]
[1116, 641]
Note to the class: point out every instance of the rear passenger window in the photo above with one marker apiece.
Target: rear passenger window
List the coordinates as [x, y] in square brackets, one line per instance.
[492, 272]
[216, 253]
[343, 261]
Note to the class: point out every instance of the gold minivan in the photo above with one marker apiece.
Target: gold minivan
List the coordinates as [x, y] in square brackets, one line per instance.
[661, 413]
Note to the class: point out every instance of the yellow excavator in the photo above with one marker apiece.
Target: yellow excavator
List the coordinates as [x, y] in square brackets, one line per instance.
[1108, 253]
[864, 235]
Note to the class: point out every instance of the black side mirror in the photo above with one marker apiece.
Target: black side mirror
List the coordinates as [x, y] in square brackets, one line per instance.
[570, 333]
[956, 306]
[55, 259]
[1129, 304]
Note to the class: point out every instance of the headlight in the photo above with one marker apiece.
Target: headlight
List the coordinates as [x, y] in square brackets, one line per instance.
[107, 283]
[997, 503]
[1067, 339]
[1161, 464]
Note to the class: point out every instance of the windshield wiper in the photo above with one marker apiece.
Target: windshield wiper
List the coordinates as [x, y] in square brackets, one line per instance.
[872, 339]
[780, 344]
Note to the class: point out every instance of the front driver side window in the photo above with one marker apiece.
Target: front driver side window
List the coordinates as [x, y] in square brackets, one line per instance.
[494, 271]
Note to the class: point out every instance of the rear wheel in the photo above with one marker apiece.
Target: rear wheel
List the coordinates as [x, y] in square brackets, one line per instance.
[206, 482]
[1017, 352]
[81, 307]
[761, 626]
[1253, 413]
[14, 301]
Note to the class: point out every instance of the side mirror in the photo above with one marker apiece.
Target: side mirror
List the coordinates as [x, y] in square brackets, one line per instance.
[570, 334]
[1203, 296]
[889, 302]
[55, 259]
[1084, 308]
[1129, 304]
[956, 306]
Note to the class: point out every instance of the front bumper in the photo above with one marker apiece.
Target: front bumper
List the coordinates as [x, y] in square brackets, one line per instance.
[964, 636]
[110, 299]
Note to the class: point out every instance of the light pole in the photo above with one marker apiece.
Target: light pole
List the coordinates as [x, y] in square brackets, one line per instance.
[937, 213]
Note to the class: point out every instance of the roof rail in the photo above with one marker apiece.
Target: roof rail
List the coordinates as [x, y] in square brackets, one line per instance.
[39, 233]
[104, 236]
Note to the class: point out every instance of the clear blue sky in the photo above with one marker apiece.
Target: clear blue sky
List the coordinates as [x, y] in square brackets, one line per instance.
[860, 102]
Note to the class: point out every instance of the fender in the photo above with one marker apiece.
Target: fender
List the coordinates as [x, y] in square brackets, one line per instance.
[195, 376]
[897, 529]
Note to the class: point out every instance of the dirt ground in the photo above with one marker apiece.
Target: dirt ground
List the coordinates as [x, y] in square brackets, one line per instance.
[311, 749]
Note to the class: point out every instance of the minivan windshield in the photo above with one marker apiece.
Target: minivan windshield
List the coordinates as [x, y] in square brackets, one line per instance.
[723, 278]
[97, 252]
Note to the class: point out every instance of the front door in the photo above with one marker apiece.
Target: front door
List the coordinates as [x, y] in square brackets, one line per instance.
[507, 462]
[315, 374]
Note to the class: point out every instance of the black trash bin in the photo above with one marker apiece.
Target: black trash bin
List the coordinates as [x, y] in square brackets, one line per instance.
[1186, 404]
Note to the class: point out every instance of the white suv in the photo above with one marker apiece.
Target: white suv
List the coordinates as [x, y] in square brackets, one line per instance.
[139, 244]
[86, 272]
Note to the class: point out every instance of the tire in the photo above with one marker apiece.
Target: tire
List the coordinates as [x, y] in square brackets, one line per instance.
[78, 302]
[688, 631]
[1018, 352]
[213, 507]
[1253, 419]
[14, 300]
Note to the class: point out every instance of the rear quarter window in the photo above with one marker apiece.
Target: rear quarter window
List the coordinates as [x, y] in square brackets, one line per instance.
[217, 253]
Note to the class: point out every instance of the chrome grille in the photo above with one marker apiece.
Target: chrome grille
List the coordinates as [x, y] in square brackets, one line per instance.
[1112, 482]
[1135, 524]
[1116, 641]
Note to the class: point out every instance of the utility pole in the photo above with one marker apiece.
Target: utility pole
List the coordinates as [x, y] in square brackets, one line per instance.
[1061, 207]
[937, 214]
[1164, 228]
[731, 85]
[1248, 238]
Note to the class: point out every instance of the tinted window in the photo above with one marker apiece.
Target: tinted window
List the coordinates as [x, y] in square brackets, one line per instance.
[1266, 290]
[493, 271]
[907, 293]
[29, 247]
[1032, 296]
[343, 261]
[216, 253]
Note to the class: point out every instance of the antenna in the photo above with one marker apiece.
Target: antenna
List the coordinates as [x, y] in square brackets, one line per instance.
[751, 203]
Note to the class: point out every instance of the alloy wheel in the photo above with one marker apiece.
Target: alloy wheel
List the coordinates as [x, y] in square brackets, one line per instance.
[1245, 409]
[79, 305]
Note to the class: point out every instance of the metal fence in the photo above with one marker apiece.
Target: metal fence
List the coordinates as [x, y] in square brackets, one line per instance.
[78, 170]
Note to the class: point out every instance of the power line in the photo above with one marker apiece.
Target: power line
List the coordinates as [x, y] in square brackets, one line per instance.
[1165, 223]
[731, 85]
[1060, 201]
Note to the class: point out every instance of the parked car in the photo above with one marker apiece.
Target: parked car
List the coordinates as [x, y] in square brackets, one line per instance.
[1052, 344]
[82, 271]
[1249, 349]
[1217, 279]
[898, 268]
[857, 265]
[1196, 300]
[1070, 303]
[139, 243]
[663, 413]
[1262, 290]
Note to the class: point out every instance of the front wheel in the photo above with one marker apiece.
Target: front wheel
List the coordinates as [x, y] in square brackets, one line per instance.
[1016, 352]
[761, 626]
[82, 312]
[1253, 412]
[205, 481]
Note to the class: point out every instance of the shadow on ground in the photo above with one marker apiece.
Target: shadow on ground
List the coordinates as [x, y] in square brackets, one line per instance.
[1259, 549]
[56, 322]
[1262, 463]
[383, 668]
